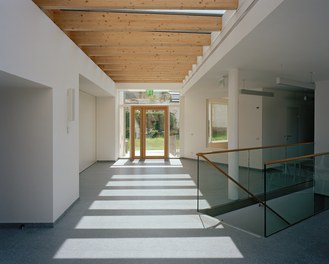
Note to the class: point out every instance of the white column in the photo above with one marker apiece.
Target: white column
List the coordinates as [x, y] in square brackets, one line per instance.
[233, 131]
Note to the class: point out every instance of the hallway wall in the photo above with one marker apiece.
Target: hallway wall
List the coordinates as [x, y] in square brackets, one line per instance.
[87, 128]
[194, 132]
[34, 48]
[321, 136]
[107, 128]
[26, 194]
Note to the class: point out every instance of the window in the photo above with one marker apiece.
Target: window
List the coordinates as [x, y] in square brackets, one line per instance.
[217, 123]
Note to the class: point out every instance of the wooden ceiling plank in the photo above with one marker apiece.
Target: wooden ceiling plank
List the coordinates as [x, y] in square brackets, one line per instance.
[105, 21]
[128, 64]
[146, 78]
[143, 68]
[147, 81]
[138, 4]
[151, 51]
[147, 72]
[147, 75]
[138, 59]
[113, 39]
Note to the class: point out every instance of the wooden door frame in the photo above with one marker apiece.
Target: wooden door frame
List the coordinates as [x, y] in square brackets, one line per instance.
[143, 109]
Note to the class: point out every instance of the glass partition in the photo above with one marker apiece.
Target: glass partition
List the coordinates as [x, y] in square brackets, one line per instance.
[296, 189]
[226, 182]
[263, 190]
[155, 132]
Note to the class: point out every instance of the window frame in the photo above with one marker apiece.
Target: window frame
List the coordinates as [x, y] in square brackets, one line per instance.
[223, 144]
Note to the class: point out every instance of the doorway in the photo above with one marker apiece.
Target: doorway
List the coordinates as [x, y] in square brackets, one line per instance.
[149, 132]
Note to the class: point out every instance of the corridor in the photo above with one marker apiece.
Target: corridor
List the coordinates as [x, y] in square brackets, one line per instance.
[145, 212]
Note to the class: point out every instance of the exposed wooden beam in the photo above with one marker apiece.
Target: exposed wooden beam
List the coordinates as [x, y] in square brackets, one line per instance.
[137, 63]
[113, 39]
[147, 81]
[144, 59]
[145, 68]
[138, 4]
[105, 21]
[153, 50]
[151, 79]
[148, 74]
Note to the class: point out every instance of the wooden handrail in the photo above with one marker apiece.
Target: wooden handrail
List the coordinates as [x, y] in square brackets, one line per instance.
[254, 148]
[296, 158]
[245, 189]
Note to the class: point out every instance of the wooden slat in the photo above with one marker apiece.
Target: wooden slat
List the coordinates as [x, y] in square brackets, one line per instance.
[147, 80]
[144, 59]
[115, 51]
[180, 75]
[113, 39]
[105, 21]
[147, 75]
[138, 4]
[141, 64]
[137, 67]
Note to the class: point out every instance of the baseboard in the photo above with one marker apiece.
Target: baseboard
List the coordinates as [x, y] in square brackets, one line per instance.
[25, 225]
[65, 212]
[37, 225]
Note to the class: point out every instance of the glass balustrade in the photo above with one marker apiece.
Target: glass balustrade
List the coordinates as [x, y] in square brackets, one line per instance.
[263, 190]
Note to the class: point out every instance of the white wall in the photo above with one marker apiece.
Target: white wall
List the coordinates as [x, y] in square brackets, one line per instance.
[250, 121]
[195, 124]
[321, 136]
[34, 48]
[26, 155]
[194, 113]
[275, 117]
[87, 136]
[107, 129]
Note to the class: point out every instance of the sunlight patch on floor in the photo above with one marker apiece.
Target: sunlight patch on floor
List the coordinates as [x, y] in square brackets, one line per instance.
[147, 222]
[148, 163]
[149, 192]
[150, 183]
[148, 205]
[150, 176]
[149, 248]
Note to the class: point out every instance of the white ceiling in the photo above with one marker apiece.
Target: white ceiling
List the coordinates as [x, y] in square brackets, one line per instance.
[10, 81]
[292, 42]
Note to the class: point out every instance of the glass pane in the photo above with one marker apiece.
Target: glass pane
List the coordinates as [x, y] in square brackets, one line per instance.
[320, 167]
[218, 130]
[155, 133]
[174, 132]
[137, 137]
[126, 132]
[151, 97]
[289, 192]
[223, 198]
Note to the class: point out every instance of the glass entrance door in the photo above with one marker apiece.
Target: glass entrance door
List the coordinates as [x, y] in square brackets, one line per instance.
[149, 132]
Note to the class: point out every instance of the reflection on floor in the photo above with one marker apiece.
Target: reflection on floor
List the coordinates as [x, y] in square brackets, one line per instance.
[141, 214]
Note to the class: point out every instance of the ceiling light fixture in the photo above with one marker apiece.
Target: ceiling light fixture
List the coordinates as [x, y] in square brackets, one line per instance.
[254, 92]
[293, 83]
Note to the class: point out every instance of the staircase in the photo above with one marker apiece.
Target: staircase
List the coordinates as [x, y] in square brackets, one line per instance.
[274, 187]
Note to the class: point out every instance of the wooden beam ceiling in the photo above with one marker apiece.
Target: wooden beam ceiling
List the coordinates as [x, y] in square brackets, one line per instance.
[139, 46]
[152, 50]
[92, 38]
[138, 4]
[108, 21]
[144, 59]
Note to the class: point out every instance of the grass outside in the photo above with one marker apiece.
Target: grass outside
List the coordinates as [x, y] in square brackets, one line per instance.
[152, 143]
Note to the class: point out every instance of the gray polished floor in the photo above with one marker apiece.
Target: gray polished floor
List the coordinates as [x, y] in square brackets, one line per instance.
[144, 212]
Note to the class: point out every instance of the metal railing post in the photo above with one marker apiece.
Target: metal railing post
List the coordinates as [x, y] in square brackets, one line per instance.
[198, 186]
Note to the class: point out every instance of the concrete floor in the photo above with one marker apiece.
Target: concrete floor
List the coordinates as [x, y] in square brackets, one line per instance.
[132, 212]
